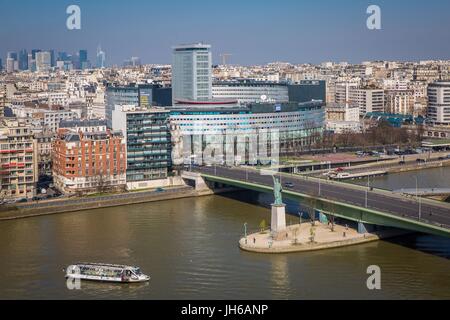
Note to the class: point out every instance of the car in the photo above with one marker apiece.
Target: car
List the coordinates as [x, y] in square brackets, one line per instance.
[421, 160]
[402, 163]
[289, 185]
[22, 200]
[158, 190]
[441, 158]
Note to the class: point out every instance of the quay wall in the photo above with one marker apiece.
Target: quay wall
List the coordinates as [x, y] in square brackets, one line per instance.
[20, 211]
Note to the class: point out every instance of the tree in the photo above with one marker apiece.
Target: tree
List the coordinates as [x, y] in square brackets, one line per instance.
[263, 225]
[332, 211]
[2, 196]
[101, 183]
[312, 232]
[312, 209]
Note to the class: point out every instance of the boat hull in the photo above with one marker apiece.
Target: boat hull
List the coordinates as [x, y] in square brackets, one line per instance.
[106, 279]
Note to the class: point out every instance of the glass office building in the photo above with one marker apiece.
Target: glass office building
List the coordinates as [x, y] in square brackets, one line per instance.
[119, 95]
[148, 142]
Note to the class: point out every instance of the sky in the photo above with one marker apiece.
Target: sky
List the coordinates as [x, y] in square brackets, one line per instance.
[253, 31]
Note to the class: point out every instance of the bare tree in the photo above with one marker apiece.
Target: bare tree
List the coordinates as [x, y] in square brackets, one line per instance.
[101, 183]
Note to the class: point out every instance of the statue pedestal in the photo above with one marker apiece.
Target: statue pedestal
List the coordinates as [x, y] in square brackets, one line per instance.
[278, 218]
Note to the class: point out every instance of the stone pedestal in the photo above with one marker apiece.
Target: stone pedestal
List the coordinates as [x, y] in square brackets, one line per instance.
[278, 218]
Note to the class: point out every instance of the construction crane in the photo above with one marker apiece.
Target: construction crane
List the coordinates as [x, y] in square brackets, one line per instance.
[224, 57]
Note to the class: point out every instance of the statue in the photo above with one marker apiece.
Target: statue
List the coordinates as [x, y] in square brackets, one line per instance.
[277, 189]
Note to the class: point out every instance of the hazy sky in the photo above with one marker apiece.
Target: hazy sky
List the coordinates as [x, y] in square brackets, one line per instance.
[254, 31]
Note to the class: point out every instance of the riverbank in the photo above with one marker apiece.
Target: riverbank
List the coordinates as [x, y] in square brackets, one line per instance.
[21, 211]
[392, 166]
[298, 238]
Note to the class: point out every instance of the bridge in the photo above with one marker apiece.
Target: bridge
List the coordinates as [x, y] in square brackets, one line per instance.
[368, 207]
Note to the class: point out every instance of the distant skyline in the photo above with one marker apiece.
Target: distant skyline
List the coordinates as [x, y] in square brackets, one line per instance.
[254, 32]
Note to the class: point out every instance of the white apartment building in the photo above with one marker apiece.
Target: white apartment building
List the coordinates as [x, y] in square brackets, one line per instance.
[400, 101]
[395, 84]
[53, 118]
[345, 112]
[98, 107]
[18, 171]
[343, 91]
[368, 100]
[44, 119]
[439, 103]
[192, 73]
[58, 99]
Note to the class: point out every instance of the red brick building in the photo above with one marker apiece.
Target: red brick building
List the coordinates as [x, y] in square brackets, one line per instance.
[89, 162]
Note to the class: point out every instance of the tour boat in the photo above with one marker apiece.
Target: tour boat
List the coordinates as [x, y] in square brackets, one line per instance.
[106, 273]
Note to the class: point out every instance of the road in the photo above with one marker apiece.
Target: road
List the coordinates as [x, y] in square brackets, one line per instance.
[398, 205]
[394, 165]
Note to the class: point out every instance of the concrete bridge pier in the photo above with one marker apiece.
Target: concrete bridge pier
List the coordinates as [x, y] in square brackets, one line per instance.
[366, 227]
[195, 180]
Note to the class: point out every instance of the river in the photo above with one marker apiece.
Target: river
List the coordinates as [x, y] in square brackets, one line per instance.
[429, 178]
[189, 248]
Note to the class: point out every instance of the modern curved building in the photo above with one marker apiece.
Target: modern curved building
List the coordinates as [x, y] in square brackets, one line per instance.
[298, 125]
[250, 91]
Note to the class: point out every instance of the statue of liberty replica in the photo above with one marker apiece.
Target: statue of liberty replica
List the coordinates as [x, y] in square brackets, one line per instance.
[278, 209]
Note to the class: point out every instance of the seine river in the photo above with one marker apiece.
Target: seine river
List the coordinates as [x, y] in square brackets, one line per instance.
[189, 248]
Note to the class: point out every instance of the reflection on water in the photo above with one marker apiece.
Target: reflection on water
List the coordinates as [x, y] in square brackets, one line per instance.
[430, 178]
[189, 248]
[280, 277]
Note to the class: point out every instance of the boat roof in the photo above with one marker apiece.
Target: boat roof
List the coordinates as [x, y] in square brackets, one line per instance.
[106, 265]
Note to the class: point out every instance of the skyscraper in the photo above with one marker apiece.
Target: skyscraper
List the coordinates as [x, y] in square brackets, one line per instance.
[101, 58]
[33, 53]
[191, 72]
[1, 64]
[31, 63]
[135, 61]
[63, 56]
[43, 61]
[10, 65]
[83, 59]
[52, 57]
[23, 59]
[12, 55]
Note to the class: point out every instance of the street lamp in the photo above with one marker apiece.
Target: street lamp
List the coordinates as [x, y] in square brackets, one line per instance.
[367, 191]
[320, 187]
[418, 198]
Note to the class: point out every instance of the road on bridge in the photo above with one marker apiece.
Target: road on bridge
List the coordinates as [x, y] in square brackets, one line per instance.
[398, 205]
